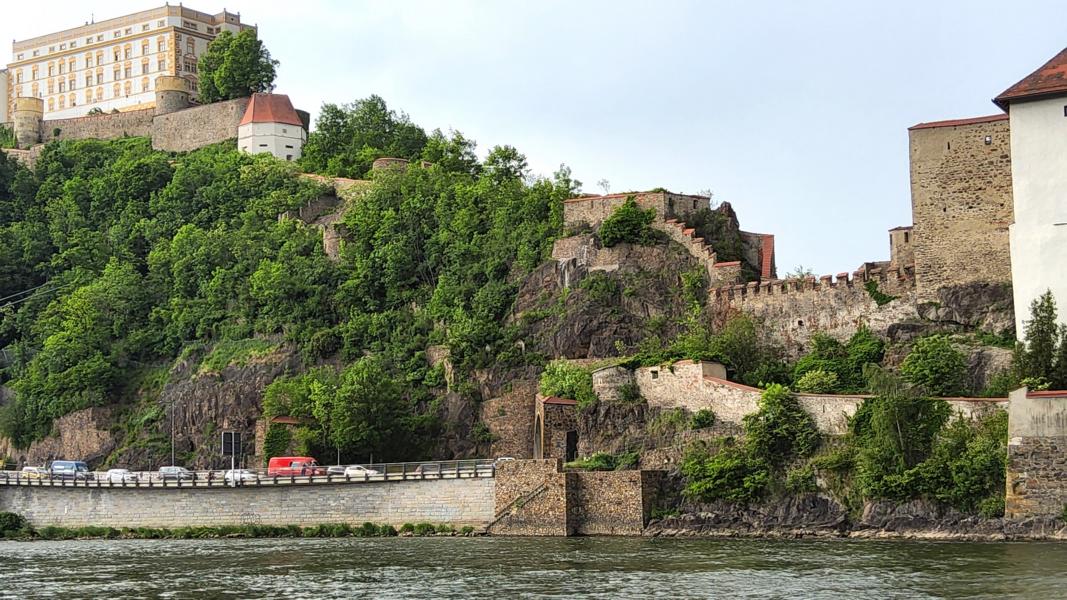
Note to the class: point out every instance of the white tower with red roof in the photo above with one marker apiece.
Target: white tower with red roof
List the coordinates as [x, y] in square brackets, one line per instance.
[271, 124]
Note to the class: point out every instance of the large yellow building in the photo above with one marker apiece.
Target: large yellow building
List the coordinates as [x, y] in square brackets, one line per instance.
[113, 64]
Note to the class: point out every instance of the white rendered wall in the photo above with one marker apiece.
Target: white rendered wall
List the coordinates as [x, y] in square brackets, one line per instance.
[3, 96]
[1039, 188]
[282, 140]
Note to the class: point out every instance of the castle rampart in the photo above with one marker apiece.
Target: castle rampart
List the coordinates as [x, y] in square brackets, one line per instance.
[592, 210]
[793, 310]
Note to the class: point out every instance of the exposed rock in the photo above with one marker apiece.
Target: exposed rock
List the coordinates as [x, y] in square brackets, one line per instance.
[984, 363]
[981, 306]
[81, 435]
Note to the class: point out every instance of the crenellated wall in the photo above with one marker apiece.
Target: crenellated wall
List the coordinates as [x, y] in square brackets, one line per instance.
[592, 210]
[793, 310]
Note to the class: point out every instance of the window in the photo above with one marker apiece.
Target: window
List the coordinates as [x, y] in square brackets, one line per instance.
[71, 84]
[161, 44]
[118, 74]
[36, 90]
[116, 90]
[73, 100]
[88, 60]
[262, 145]
[161, 65]
[88, 96]
[906, 236]
[127, 52]
[115, 55]
[190, 45]
[144, 68]
[100, 38]
[129, 87]
[117, 34]
[62, 86]
[128, 31]
[51, 48]
[51, 86]
[36, 52]
[144, 27]
[34, 73]
[72, 66]
[159, 23]
[190, 25]
[144, 84]
[51, 69]
[655, 374]
[18, 76]
[128, 72]
[88, 79]
[51, 104]
[288, 157]
[20, 56]
[99, 57]
[144, 48]
[88, 40]
[190, 67]
[61, 68]
[99, 94]
[62, 46]
[99, 77]
[62, 102]
[288, 146]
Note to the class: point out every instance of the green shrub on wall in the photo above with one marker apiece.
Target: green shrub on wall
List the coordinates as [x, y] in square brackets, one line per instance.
[937, 366]
[628, 224]
[564, 379]
[817, 382]
[276, 441]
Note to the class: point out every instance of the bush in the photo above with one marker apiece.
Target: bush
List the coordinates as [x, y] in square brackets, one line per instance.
[702, 419]
[407, 528]
[801, 480]
[936, 365]
[567, 380]
[845, 361]
[817, 381]
[423, 529]
[777, 434]
[629, 223]
[466, 530]
[11, 522]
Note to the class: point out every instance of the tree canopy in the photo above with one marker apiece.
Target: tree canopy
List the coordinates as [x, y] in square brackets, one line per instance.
[235, 66]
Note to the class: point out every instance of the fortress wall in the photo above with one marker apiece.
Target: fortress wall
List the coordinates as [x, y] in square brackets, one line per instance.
[198, 126]
[961, 196]
[107, 126]
[791, 311]
[457, 501]
[593, 210]
[1037, 454]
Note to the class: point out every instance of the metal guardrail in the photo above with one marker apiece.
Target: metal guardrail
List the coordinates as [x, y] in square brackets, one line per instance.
[382, 472]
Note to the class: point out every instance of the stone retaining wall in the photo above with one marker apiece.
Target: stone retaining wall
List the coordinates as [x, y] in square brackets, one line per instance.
[455, 501]
[1037, 454]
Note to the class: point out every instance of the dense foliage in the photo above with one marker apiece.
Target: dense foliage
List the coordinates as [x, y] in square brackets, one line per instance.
[629, 223]
[844, 362]
[777, 434]
[1040, 362]
[235, 66]
[118, 258]
[564, 379]
[937, 366]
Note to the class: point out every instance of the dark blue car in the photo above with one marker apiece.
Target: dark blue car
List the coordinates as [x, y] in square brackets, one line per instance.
[69, 469]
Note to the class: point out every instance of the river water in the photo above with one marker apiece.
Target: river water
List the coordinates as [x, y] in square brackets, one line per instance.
[502, 568]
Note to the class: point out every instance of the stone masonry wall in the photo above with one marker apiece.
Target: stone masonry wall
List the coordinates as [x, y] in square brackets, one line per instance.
[510, 418]
[613, 502]
[456, 501]
[1037, 454]
[199, 126]
[593, 210]
[792, 311]
[690, 385]
[104, 127]
[961, 203]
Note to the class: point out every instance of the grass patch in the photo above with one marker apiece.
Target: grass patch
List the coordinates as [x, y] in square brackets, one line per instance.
[237, 353]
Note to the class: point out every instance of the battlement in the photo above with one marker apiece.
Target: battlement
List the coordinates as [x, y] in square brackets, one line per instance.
[895, 280]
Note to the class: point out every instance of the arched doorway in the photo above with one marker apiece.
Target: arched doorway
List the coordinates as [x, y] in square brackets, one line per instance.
[572, 446]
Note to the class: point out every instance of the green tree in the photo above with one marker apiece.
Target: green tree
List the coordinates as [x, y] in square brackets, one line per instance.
[1041, 337]
[235, 66]
[629, 223]
[937, 366]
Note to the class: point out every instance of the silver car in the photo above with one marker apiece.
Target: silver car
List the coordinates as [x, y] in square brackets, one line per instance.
[120, 476]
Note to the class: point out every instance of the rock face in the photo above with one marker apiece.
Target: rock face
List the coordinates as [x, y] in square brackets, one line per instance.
[82, 435]
[580, 309]
[974, 306]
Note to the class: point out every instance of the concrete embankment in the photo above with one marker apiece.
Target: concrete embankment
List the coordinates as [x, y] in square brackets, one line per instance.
[468, 501]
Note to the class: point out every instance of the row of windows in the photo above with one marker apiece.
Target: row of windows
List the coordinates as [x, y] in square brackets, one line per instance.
[96, 95]
[99, 38]
[120, 33]
[118, 54]
[118, 73]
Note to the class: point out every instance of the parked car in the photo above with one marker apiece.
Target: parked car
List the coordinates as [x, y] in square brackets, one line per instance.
[360, 471]
[120, 476]
[501, 460]
[336, 470]
[176, 473]
[238, 475]
[284, 466]
[69, 469]
[34, 472]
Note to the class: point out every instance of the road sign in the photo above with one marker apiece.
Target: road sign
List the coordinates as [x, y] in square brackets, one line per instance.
[231, 443]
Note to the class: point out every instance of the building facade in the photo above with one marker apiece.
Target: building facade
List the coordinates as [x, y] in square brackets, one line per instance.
[1037, 109]
[4, 111]
[113, 64]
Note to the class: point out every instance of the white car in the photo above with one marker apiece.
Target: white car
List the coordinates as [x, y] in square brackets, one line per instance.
[239, 475]
[120, 476]
[360, 471]
[34, 472]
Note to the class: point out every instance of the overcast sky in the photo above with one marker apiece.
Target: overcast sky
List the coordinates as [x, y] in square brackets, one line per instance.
[794, 112]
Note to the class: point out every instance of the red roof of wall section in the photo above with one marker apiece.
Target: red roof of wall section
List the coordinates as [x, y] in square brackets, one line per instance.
[271, 108]
[562, 401]
[1047, 394]
[1049, 80]
[958, 122]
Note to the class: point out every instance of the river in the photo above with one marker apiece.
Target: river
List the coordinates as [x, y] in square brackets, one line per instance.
[504, 568]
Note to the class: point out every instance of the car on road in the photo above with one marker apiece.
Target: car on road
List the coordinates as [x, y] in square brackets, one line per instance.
[34, 472]
[360, 471]
[176, 473]
[120, 476]
[239, 476]
[76, 470]
[280, 466]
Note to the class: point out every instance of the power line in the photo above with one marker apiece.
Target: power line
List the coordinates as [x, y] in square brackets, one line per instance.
[28, 291]
[32, 296]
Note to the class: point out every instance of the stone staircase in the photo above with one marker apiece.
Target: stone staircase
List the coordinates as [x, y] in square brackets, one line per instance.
[719, 273]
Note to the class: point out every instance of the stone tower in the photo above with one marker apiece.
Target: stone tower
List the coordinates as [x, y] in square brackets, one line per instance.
[172, 94]
[29, 112]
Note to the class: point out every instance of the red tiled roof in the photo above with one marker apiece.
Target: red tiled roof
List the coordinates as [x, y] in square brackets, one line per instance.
[957, 122]
[271, 108]
[1049, 80]
[902, 228]
[555, 400]
[767, 257]
[284, 420]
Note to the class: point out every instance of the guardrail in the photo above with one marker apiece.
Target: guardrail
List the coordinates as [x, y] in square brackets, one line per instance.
[380, 472]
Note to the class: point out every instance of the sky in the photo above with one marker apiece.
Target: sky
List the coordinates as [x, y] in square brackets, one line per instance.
[796, 113]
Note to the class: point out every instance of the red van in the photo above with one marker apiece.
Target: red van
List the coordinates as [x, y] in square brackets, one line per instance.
[293, 465]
